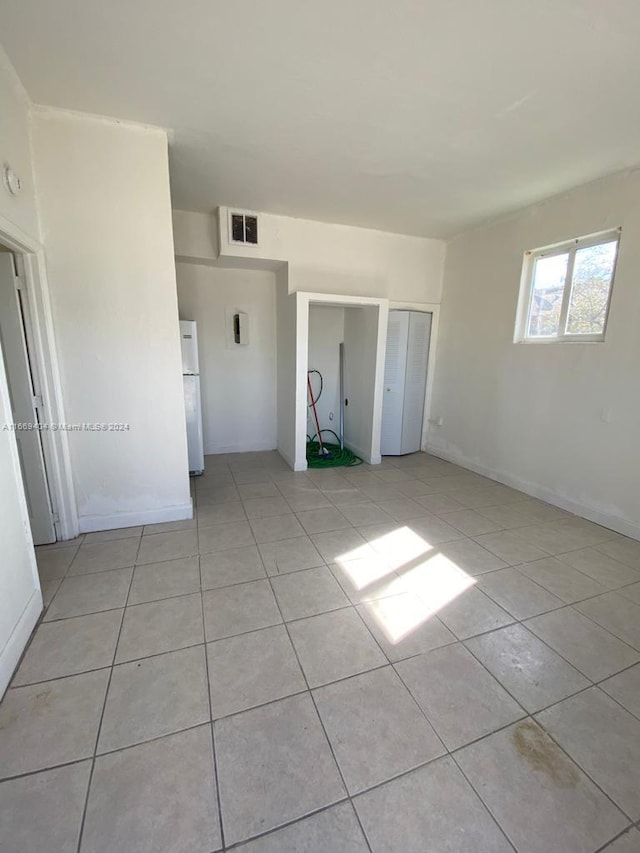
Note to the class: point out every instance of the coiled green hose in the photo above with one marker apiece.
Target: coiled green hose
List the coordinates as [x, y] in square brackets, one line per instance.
[334, 457]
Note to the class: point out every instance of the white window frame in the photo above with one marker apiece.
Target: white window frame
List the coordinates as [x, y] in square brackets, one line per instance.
[244, 214]
[526, 288]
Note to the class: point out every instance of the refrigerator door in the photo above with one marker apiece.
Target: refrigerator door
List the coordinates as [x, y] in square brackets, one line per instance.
[194, 423]
[189, 343]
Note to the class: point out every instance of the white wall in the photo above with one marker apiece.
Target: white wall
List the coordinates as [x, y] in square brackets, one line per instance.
[288, 370]
[20, 597]
[15, 150]
[326, 333]
[322, 257]
[328, 258]
[103, 190]
[361, 417]
[560, 421]
[195, 235]
[237, 382]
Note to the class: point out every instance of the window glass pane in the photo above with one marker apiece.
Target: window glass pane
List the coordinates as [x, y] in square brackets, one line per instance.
[237, 227]
[546, 296]
[592, 273]
[251, 229]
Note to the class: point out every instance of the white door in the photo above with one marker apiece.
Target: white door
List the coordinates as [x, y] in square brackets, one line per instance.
[24, 403]
[405, 382]
[415, 381]
[394, 377]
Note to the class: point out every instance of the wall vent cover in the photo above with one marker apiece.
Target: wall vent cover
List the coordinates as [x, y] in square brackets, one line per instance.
[243, 227]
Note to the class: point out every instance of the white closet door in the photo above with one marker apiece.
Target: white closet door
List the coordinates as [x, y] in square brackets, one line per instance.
[415, 381]
[13, 312]
[394, 378]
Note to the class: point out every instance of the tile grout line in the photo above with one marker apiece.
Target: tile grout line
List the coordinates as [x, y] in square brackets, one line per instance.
[617, 701]
[506, 689]
[101, 718]
[607, 845]
[567, 661]
[588, 576]
[373, 787]
[39, 622]
[533, 716]
[580, 767]
[516, 621]
[211, 721]
[337, 681]
[595, 622]
[520, 621]
[16, 776]
[237, 844]
[486, 806]
[312, 698]
[458, 639]
[523, 623]
[413, 698]
[113, 751]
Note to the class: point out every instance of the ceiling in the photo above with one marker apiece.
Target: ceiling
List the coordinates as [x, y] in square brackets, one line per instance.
[417, 116]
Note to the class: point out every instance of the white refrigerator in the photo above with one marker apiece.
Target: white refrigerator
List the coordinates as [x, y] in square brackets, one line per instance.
[191, 382]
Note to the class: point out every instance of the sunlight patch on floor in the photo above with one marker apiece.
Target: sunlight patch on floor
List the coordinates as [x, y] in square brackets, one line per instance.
[437, 582]
[398, 615]
[408, 578]
[366, 571]
[401, 546]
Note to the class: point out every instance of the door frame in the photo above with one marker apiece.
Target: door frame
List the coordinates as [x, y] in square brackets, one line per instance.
[303, 301]
[55, 445]
[432, 308]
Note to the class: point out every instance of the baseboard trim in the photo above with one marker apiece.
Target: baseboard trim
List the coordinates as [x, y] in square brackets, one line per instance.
[612, 522]
[245, 447]
[17, 642]
[365, 455]
[291, 461]
[93, 523]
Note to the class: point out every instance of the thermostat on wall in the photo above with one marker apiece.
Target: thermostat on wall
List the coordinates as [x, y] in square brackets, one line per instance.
[12, 182]
[241, 328]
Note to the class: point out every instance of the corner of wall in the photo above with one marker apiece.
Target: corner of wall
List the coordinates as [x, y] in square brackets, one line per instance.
[195, 236]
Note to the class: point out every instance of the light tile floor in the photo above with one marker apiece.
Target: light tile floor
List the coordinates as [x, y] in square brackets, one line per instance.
[407, 657]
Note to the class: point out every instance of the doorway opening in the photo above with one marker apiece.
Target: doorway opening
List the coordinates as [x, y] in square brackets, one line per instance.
[36, 415]
[326, 407]
[342, 366]
[25, 394]
[343, 338]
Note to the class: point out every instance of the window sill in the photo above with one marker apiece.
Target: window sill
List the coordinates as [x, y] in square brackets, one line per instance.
[546, 341]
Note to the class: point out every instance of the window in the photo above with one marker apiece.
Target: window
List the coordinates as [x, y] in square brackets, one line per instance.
[567, 289]
[243, 228]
